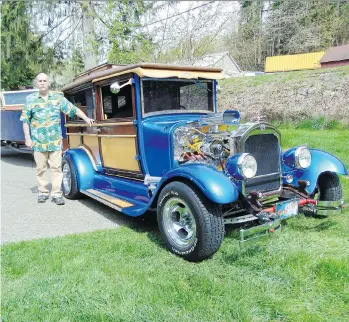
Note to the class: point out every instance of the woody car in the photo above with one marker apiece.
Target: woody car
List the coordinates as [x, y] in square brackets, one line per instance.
[159, 143]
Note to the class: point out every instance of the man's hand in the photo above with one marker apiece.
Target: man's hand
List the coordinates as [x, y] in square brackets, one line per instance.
[89, 121]
[28, 143]
[82, 115]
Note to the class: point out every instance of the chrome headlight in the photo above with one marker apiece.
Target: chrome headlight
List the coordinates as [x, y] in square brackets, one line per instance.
[247, 165]
[241, 166]
[303, 157]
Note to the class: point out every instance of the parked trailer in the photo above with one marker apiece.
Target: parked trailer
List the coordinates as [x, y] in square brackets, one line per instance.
[12, 135]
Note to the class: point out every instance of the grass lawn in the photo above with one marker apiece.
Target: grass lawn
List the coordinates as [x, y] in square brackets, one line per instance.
[127, 275]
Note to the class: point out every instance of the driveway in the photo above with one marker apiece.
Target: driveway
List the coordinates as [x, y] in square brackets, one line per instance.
[22, 218]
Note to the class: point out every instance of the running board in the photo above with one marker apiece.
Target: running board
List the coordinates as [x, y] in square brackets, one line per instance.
[109, 200]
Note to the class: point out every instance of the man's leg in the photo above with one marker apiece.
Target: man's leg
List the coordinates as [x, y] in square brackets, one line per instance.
[55, 161]
[41, 175]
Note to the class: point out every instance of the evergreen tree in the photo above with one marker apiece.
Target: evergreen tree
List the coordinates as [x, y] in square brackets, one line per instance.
[22, 52]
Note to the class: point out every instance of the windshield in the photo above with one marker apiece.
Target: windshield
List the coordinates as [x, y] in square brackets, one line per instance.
[180, 95]
[14, 98]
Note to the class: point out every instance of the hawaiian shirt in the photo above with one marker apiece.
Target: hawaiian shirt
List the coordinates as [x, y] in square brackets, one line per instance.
[44, 118]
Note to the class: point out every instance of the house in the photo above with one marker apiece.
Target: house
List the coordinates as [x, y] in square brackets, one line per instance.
[222, 59]
[335, 56]
[287, 63]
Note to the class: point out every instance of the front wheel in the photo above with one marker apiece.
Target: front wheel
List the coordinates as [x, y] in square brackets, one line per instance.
[329, 187]
[191, 225]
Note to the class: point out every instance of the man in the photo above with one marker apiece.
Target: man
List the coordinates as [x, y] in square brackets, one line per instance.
[41, 118]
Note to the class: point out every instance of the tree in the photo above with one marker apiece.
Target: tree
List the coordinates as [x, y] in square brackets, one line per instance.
[281, 27]
[119, 25]
[22, 53]
[298, 26]
[247, 42]
[187, 33]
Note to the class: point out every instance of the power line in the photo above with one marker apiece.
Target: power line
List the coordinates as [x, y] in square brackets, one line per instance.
[177, 14]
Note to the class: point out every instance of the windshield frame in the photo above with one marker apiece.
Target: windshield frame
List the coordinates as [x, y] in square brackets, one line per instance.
[171, 112]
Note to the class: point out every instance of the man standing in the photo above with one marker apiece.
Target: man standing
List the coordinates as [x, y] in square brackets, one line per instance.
[41, 118]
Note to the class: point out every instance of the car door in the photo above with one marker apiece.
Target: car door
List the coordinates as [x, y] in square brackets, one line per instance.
[117, 129]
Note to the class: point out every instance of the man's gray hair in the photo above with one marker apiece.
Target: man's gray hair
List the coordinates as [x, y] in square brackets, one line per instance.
[36, 79]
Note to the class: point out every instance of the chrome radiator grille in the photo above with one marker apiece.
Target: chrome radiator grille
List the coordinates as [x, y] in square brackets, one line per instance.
[266, 150]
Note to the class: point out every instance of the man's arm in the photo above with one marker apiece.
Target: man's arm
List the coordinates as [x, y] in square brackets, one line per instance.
[71, 110]
[25, 118]
[28, 139]
[82, 115]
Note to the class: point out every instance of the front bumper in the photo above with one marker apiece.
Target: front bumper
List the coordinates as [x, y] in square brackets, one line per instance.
[326, 208]
[280, 212]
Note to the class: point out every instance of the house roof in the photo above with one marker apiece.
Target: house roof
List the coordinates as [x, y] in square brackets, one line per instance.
[336, 54]
[208, 60]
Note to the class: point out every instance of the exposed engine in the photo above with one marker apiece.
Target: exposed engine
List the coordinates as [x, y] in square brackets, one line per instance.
[193, 143]
[248, 152]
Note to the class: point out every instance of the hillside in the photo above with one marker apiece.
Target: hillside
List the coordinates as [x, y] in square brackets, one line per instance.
[290, 96]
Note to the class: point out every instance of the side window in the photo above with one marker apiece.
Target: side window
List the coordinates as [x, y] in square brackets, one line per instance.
[117, 105]
[84, 101]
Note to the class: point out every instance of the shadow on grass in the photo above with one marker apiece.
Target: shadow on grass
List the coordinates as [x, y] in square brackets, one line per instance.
[255, 248]
[146, 223]
[245, 255]
[249, 250]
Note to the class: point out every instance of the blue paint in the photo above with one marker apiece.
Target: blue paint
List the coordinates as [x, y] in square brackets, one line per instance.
[141, 146]
[64, 129]
[132, 191]
[213, 183]
[233, 168]
[11, 126]
[83, 166]
[321, 162]
[158, 138]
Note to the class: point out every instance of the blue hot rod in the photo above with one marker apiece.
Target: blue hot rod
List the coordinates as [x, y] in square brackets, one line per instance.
[159, 143]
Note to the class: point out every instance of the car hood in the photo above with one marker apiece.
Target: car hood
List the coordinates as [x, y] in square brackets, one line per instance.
[155, 141]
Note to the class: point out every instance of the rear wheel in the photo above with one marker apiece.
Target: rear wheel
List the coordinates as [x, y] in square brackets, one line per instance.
[191, 225]
[70, 187]
[329, 187]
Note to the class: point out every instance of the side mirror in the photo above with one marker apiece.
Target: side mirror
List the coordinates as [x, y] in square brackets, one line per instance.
[115, 87]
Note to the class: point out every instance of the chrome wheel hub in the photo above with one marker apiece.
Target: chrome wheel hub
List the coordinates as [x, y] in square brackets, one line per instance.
[179, 222]
[66, 179]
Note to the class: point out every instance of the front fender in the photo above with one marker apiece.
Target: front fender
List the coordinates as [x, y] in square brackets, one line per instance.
[321, 162]
[83, 165]
[214, 184]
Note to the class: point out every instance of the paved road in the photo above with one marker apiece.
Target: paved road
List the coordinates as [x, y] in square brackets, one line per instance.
[22, 218]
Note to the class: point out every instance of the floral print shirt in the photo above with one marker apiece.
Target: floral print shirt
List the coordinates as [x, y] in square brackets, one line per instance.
[44, 118]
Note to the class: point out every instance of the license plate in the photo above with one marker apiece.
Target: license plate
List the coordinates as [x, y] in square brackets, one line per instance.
[287, 209]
